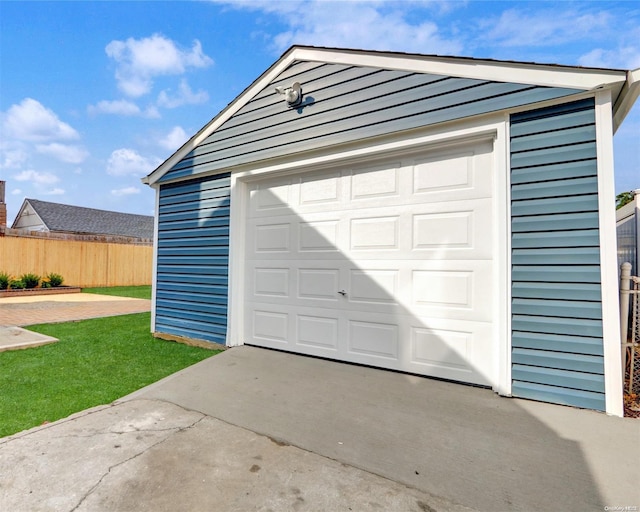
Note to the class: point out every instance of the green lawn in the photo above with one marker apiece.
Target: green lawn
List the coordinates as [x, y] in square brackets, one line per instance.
[95, 362]
[136, 292]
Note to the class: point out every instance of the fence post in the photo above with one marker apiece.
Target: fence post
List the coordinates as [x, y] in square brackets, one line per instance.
[625, 286]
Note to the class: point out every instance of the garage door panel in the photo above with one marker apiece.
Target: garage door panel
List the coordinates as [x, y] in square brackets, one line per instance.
[374, 339]
[389, 264]
[270, 326]
[269, 238]
[321, 189]
[458, 350]
[456, 174]
[375, 182]
[317, 331]
[374, 233]
[320, 235]
[378, 286]
[270, 282]
[318, 283]
[272, 198]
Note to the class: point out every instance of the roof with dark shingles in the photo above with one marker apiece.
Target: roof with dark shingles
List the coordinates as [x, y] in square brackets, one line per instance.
[77, 219]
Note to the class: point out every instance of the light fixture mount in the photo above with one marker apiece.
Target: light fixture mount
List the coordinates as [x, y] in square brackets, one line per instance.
[292, 95]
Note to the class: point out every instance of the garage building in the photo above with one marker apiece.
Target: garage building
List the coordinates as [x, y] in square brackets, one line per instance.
[447, 217]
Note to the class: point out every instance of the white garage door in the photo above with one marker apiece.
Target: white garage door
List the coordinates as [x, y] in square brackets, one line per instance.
[388, 264]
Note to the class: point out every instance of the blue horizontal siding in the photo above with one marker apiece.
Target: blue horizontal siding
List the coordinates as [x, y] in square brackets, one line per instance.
[345, 104]
[559, 395]
[558, 360]
[193, 258]
[555, 188]
[549, 290]
[557, 308]
[551, 172]
[574, 238]
[556, 256]
[556, 292]
[557, 343]
[557, 222]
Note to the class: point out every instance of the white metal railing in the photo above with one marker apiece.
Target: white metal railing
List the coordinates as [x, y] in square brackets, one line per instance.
[630, 334]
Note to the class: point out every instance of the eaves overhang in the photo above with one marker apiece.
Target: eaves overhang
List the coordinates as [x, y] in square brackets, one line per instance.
[623, 84]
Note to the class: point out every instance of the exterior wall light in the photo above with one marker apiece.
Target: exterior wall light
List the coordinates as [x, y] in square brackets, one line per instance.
[292, 95]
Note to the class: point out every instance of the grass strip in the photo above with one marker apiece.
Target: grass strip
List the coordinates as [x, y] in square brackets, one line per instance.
[135, 292]
[95, 362]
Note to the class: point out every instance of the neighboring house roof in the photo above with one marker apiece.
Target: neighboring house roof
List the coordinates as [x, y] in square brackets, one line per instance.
[76, 219]
[624, 85]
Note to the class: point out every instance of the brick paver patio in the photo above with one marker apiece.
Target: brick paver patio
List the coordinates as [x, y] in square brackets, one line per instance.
[64, 308]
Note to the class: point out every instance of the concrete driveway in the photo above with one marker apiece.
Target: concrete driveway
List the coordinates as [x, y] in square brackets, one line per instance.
[253, 429]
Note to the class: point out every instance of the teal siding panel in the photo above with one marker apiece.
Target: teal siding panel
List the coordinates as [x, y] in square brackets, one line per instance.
[550, 290]
[555, 188]
[192, 259]
[559, 395]
[205, 334]
[557, 308]
[558, 361]
[171, 301]
[571, 379]
[577, 204]
[554, 138]
[575, 238]
[561, 256]
[194, 251]
[556, 274]
[565, 170]
[557, 325]
[571, 120]
[197, 186]
[558, 222]
[554, 113]
[556, 291]
[545, 342]
[549, 155]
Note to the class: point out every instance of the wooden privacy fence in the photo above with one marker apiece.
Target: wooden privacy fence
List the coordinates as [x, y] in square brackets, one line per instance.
[80, 263]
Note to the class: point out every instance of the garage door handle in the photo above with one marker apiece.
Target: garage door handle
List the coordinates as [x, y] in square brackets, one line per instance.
[342, 292]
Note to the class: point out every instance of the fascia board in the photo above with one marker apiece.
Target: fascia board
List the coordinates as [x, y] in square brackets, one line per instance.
[536, 74]
[626, 98]
[256, 87]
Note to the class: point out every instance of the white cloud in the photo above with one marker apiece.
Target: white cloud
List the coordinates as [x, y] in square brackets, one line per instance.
[54, 192]
[138, 61]
[523, 28]
[12, 155]
[127, 162]
[627, 57]
[174, 139]
[122, 108]
[356, 24]
[64, 152]
[127, 191]
[31, 121]
[16, 192]
[37, 178]
[184, 96]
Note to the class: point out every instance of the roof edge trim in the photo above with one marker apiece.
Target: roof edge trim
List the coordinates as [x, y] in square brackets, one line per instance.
[626, 98]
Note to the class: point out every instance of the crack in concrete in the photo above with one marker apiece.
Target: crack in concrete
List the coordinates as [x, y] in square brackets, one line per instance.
[176, 430]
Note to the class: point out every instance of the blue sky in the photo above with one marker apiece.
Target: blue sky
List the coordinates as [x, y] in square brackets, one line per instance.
[94, 95]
